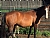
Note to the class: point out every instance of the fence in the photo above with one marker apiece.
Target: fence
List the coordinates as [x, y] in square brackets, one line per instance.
[21, 4]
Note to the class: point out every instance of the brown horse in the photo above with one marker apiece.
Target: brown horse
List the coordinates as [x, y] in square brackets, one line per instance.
[24, 19]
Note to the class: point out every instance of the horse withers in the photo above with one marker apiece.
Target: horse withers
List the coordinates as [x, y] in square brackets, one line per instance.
[24, 19]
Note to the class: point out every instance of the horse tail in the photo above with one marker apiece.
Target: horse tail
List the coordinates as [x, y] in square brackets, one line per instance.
[3, 25]
[3, 19]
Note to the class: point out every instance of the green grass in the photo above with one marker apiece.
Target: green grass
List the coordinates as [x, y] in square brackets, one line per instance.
[46, 33]
[26, 31]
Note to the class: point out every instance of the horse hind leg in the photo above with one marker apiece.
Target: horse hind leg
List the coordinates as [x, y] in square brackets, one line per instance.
[14, 31]
[35, 28]
[10, 31]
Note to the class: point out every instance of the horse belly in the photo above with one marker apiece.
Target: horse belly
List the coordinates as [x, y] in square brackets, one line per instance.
[26, 22]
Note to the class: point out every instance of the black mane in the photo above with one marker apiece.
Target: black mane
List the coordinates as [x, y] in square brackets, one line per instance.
[39, 12]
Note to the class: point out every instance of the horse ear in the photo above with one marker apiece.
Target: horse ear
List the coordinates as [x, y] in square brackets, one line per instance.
[47, 10]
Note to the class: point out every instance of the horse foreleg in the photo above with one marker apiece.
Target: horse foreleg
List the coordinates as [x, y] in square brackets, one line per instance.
[34, 32]
[35, 28]
[29, 31]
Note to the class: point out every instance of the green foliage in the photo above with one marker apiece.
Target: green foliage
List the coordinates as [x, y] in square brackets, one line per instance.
[4, 10]
[22, 30]
[38, 33]
[26, 31]
[46, 33]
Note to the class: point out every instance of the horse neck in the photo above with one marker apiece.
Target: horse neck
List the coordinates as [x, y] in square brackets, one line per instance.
[40, 12]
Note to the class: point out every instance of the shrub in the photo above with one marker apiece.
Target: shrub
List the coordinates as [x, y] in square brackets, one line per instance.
[26, 31]
[46, 33]
[38, 33]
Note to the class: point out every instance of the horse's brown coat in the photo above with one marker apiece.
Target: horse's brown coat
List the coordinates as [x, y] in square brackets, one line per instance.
[22, 18]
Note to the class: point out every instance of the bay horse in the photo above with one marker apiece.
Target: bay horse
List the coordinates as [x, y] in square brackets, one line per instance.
[24, 19]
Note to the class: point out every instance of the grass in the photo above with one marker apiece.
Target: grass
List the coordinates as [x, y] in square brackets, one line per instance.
[26, 31]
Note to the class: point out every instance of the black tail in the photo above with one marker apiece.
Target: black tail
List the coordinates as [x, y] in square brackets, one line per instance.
[3, 19]
[3, 22]
[3, 26]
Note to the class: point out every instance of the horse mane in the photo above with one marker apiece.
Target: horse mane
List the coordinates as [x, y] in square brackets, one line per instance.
[40, 11]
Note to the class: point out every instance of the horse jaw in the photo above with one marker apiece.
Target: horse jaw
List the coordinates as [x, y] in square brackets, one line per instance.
[47, 10]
